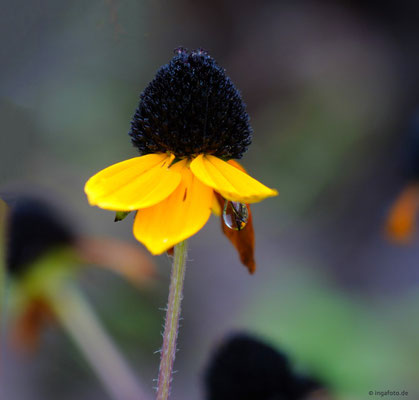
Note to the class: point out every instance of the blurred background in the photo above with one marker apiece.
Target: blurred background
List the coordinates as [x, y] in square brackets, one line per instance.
[331, 89]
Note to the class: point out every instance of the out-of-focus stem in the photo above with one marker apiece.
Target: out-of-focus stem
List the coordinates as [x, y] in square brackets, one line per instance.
[80, 322]
[171, 326]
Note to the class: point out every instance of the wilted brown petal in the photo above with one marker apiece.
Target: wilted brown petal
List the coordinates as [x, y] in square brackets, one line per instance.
[28, 326]
[125, 259]
[243, 240]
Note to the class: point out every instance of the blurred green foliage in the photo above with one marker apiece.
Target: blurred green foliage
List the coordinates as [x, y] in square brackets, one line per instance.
[351, 344]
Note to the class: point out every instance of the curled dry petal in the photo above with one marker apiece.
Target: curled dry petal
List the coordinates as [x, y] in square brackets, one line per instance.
[243, 240]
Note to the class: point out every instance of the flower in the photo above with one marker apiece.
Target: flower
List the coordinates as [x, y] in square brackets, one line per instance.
[401, 220]
[402, 215]
[42, 251]
[189, 126]
[244, 367]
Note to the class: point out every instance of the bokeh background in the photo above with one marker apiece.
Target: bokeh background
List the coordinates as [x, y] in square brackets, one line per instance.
[331, 88]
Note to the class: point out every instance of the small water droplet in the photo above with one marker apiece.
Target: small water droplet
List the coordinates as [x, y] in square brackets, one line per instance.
[235, 215]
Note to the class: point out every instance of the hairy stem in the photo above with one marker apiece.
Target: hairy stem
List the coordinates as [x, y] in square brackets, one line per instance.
[171, 326]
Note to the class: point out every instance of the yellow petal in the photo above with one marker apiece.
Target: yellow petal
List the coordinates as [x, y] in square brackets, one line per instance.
[216, 208]
[176, 218]
[228, 180]
[132, 184]
[236, 164]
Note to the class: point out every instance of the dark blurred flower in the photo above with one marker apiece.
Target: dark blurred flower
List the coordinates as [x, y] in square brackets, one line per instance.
[190, 123]
[245, 368]
[34, 229]
[41, 246]
[401, 221]
[43, 256]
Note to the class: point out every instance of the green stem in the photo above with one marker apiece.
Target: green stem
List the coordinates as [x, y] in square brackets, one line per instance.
[81, 323]
[171, 326]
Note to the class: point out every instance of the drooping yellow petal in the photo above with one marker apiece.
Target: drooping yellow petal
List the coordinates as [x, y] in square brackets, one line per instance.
[228, 180]
[132, 184]
[176, 218]
[216, 208]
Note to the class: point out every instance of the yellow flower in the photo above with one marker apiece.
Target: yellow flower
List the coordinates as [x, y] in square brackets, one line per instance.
[190, 120]
[174, 200]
